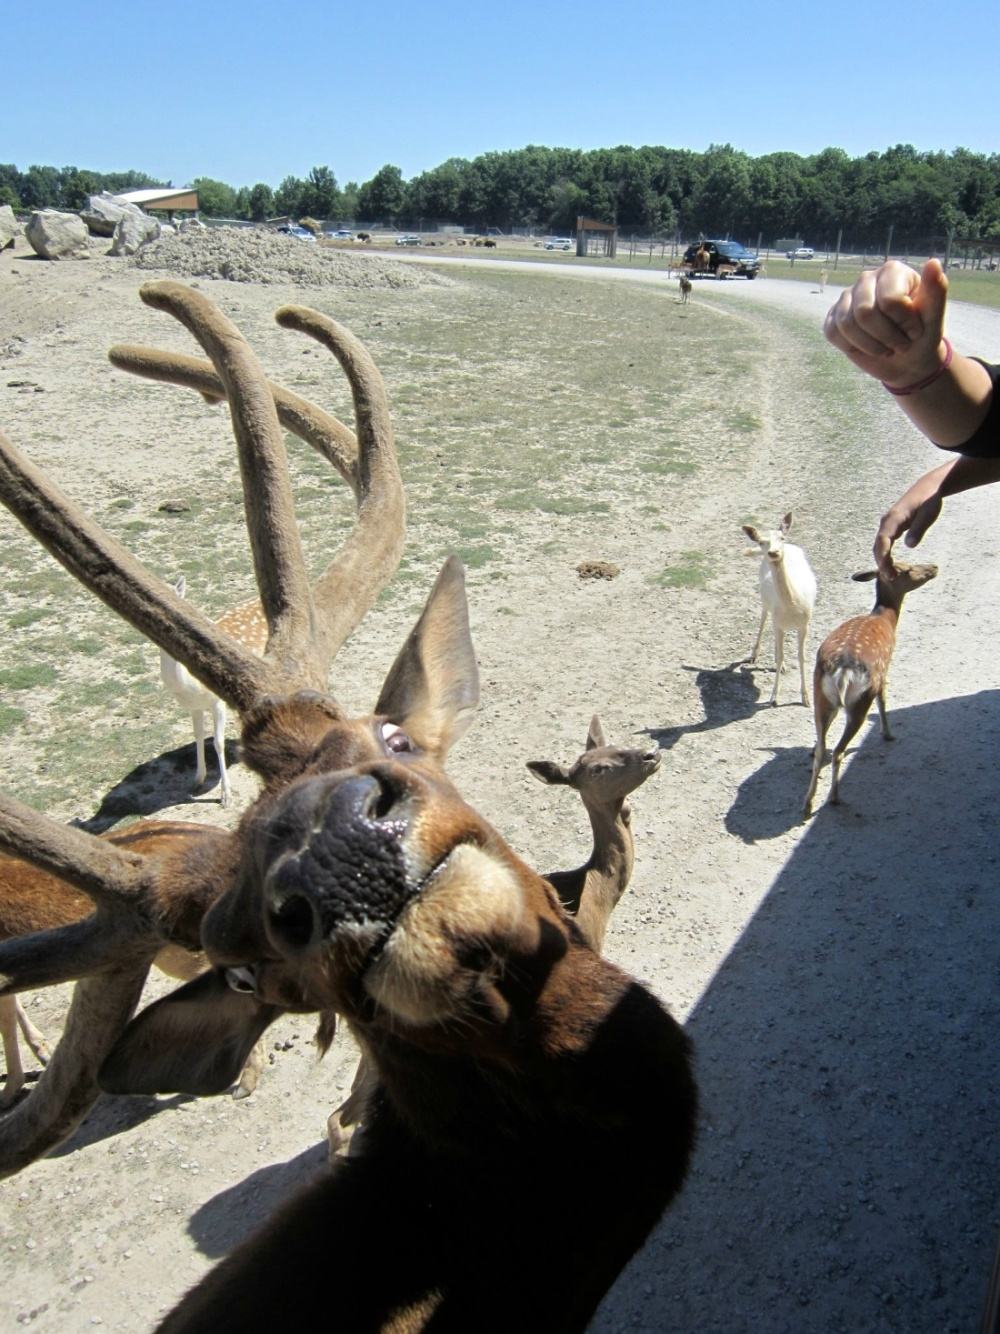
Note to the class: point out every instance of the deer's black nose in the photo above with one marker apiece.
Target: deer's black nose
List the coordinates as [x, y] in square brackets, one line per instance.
[338, 862]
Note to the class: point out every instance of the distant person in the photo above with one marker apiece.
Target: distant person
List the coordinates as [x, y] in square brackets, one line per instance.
[891, 325]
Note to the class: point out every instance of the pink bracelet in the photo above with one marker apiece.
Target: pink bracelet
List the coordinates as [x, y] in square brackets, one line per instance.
[929, 379]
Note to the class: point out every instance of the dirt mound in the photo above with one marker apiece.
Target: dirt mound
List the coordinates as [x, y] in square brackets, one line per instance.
[252, 255]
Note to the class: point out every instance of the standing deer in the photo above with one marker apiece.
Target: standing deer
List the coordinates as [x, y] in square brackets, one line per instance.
[852, 666]
[787, 595]
[533, 1107]
[247, 624]
[685, 286]
[604, 776]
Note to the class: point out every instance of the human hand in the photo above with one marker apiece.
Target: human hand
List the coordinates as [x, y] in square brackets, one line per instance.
[912, 514]
[891, 322]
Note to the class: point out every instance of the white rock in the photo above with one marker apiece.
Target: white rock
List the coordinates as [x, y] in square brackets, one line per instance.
[55, 235]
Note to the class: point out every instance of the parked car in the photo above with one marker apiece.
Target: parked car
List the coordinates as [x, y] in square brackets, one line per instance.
[558, 243]
[342, 234]
[803, 252]
[303, 233]
[408, 240]
[731, 254]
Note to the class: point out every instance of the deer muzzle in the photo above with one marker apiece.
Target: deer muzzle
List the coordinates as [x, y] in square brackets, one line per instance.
[333, 859]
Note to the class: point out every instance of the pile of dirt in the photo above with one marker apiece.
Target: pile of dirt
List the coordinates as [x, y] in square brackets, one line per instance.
[253, 255]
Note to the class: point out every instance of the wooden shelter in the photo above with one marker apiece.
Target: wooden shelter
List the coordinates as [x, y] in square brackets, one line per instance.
[163, 201]
[596, 238]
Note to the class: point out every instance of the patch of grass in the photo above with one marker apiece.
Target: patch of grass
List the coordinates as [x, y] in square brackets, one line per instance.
[573, 505]
[744, 421]
[476, 557]
[28, 676]
[19, 619]
[10, 718]
[122, 503]
[692, 570]
[89, 647]
[668, 467]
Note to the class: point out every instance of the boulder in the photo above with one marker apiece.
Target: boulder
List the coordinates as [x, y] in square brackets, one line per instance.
[191, 225]
[9, 228]
[134, 229]
[55, 235]
[102, 213]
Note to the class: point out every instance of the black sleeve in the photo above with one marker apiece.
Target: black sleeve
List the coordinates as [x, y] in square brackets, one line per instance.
[985, 444]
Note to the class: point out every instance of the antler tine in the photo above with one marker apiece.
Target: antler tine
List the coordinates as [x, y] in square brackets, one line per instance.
[368, 560]
[324, 432]
[105, 567]
[279, 564]
[103, 872]
[100, 1009]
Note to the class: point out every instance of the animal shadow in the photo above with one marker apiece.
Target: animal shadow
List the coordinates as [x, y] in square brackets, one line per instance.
[769, 801]
[156, 784]
[114, 1116]
[728, 694]
[229, 1217]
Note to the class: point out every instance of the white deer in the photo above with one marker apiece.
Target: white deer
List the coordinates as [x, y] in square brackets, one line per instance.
[245, 623]
[787, 594]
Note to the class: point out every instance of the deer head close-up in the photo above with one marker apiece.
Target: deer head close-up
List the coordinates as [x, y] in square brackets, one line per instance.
[529, 1107]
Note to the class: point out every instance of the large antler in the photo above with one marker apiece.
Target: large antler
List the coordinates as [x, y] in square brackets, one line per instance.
[159, 895]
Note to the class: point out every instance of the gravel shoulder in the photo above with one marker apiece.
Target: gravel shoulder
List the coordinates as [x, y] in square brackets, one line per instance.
[838, 978]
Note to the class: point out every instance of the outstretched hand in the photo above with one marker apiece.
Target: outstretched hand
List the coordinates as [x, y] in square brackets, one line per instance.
[912, 514]
[891, 322]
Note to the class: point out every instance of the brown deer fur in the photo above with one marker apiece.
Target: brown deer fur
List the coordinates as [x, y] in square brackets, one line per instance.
[533, 1107]
[852, 666]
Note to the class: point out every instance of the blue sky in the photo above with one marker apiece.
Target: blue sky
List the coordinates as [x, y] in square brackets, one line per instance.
[257, 91]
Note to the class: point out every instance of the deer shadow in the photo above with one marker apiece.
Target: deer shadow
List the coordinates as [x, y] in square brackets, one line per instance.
[114, 1116]
[728, 694]
[230, 1216]
[157, 784]
[846, 1173]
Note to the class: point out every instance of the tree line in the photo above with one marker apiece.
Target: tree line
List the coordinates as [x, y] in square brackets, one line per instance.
[648, 191]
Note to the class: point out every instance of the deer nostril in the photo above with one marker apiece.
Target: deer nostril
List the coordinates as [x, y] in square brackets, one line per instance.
[294, 923]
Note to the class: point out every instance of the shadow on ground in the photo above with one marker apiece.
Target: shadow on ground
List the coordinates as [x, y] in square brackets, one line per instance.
[846, 1177]
[229, 1217]
[157, 784]
[727, 694]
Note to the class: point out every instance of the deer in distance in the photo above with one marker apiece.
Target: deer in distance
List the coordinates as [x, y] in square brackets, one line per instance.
[787, 594]
[533, 1106]
[604, 776]
[852, 666]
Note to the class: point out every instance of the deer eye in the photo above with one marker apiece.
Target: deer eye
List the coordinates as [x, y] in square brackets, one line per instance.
[395, 739]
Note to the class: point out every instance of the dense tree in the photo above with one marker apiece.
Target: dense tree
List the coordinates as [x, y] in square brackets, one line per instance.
[261, 202]
[651, 190]
[382, 198]
[215, 198]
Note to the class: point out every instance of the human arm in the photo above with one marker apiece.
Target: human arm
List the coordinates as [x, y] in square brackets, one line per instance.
[890, 324]
[915, 510]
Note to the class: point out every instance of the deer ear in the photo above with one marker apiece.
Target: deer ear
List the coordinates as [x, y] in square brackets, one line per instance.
[196, 1040]
[753, 535]
[432, 689]
[547, 771]
[595, 735]
[865, 576]
[786, 522]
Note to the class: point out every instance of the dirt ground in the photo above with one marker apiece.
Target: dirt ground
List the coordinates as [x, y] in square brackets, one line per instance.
[838, 978]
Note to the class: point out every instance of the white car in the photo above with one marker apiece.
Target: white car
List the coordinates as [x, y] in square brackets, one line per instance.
[558, 243]
[803, 252]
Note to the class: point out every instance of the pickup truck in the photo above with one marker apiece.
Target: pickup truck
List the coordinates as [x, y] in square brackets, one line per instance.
[724, 258]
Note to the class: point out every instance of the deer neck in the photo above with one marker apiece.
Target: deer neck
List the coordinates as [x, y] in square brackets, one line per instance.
[591, 892]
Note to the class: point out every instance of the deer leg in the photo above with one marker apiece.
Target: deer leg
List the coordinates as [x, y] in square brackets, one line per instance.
[760, 634]
[250, 1074]
[856, 714]
[32, 1036]
[883, 716]
[823, 713]
[11, 1051]
[198, 723]
[342, 1125]
[779, 662]
[802, 666]
[219, 737]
